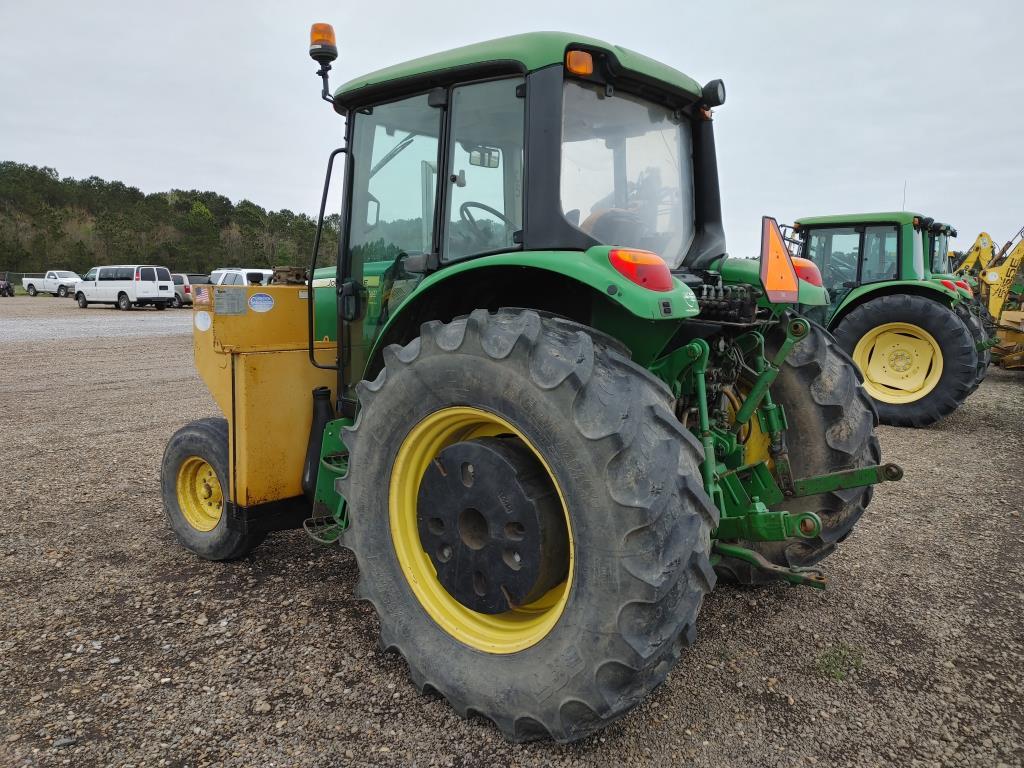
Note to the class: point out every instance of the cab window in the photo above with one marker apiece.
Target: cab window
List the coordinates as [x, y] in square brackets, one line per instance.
[485, 160]
[836, 251]
[880, 258]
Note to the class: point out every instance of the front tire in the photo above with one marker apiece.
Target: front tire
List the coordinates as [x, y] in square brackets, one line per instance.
[977, 328]
[625, 478]
[82, 302]
[917, 357]
[62, 291]
[194, 485]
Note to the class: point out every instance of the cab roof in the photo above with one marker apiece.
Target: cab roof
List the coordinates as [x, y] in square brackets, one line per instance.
[526, 52]
[900, 217]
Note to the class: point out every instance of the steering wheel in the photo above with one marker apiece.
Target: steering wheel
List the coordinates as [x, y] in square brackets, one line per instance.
[467, 217]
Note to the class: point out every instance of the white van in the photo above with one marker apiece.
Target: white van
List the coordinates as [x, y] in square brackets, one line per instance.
[126, 286]
[239, 276]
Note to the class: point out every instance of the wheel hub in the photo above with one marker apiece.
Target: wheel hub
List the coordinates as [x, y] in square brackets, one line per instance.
[900, 360]
[490, 521]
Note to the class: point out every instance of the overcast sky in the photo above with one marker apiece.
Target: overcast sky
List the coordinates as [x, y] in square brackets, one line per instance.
[831, 106]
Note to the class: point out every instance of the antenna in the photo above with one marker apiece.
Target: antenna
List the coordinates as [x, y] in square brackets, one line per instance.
[904, 195]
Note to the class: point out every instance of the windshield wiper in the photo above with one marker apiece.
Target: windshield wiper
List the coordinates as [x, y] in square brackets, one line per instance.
[392, 154]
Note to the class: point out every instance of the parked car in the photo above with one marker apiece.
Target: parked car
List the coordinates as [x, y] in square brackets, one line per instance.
[183, 282]
[239, 276]
[126, 286]
[59, 282]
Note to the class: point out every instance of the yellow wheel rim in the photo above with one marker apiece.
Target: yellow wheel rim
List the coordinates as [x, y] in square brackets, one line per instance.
[756, 442]
[900, 362]
[507, 632]
[199, 494]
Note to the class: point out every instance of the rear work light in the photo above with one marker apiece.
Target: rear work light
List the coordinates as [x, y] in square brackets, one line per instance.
[646, 269]
[807, 271]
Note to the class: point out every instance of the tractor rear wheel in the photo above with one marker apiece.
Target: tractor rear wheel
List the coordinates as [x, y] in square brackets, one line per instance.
[194, 485]
[977, 328]
[528, 520]
[831, 428]
[917, 357]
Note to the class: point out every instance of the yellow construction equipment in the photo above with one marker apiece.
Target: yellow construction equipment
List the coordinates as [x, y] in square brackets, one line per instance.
[994, 275]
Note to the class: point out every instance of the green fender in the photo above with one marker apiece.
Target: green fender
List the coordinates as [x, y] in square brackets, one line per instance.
[863, 292]
[658, 312]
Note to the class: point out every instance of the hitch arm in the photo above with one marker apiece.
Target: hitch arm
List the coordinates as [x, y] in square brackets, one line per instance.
[805, 576]
[849, 478]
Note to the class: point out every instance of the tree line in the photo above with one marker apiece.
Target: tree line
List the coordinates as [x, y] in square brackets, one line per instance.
[49, 222]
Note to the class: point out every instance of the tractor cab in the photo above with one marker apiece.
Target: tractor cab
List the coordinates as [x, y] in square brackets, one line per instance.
[543, 152]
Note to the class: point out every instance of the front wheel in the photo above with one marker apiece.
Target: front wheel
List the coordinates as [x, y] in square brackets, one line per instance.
[194, 485]
[528, 520]
[80, 298]
[917, 357]
[62, 291]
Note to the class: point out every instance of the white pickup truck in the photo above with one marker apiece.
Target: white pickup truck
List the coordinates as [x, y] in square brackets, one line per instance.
[56, 281]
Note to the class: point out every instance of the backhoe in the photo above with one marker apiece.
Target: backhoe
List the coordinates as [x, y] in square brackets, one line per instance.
[995, 277]
[535, 398]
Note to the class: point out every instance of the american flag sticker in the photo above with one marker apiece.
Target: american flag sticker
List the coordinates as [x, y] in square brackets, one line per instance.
[202, 295]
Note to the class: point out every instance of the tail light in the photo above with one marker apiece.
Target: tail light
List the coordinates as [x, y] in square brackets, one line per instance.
[646, 269]
[965, 286]
[138, 275]
[188, 289]
[807, 271]
[949, 284]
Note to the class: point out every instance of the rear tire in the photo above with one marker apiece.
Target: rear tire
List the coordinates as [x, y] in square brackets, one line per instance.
[161, 305]
[177, 303]
[638, 519]
[82, 302]
[200, 527]
[951, 343]
[31, 290]
[831, 428]
[977, 328]
[123, 302]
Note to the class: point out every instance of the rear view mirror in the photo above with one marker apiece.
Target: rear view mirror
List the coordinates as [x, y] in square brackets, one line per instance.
[485, 157]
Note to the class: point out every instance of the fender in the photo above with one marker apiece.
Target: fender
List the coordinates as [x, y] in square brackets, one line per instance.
[862, 293]
[748, 272]
[643, 319]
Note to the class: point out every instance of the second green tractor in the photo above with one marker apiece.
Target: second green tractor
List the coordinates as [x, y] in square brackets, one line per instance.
[897, 310]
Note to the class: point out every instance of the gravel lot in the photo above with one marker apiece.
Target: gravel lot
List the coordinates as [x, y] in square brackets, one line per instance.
[119, 648]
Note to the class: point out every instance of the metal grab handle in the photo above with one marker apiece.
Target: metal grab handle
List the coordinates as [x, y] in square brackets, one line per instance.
[316, 252]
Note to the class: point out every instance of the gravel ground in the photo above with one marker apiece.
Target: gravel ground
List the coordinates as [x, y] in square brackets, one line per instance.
[119, 648]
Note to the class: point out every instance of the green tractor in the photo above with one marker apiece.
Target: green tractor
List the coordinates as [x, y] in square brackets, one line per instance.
[903, 320]
[547, 411]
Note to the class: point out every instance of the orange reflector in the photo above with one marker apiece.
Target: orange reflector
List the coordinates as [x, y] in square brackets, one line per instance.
[646, 269]
[807, 271]
[321, 34]
[778, 275]
[579, 62]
